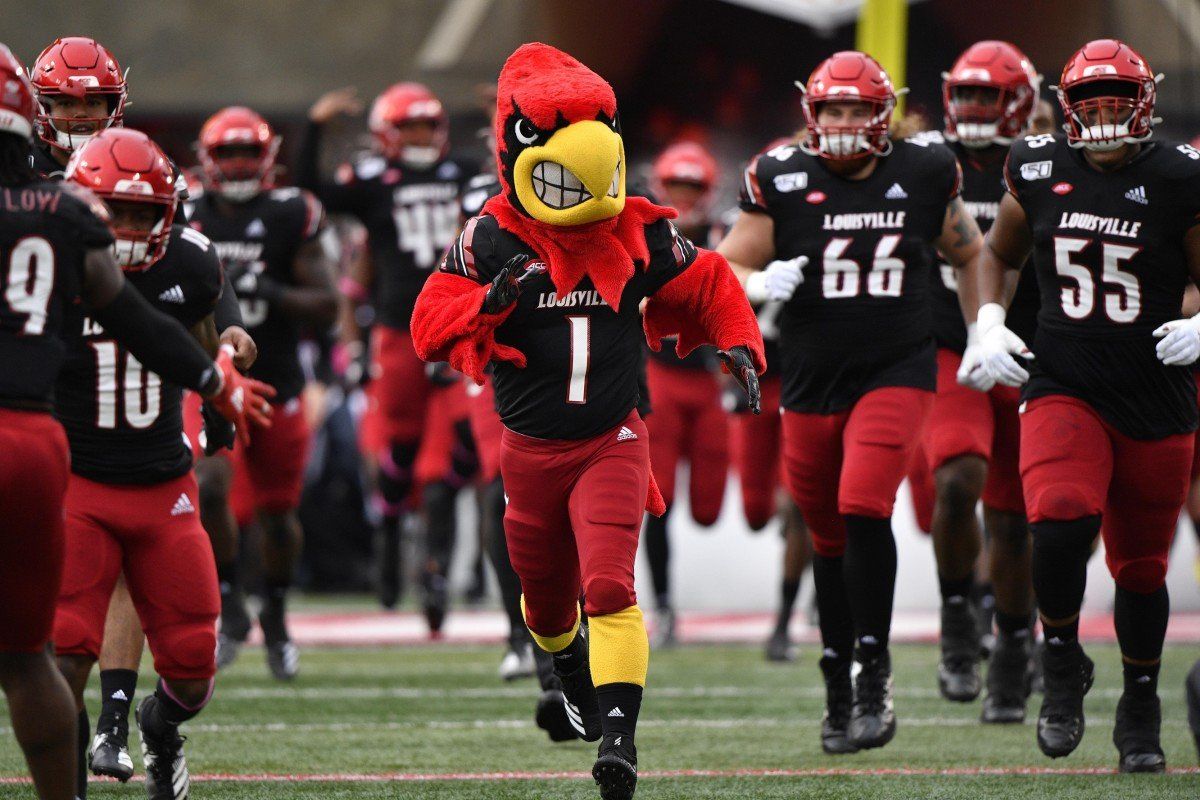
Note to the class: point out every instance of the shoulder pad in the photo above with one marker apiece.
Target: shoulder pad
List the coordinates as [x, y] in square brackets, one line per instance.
[926, 138]
[195, 237]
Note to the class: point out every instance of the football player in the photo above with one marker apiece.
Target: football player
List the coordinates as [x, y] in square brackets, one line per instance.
[972, 438]
[858, 357]
[1109, 216]
[689, 422]
[270, 243]
[57, 249]
[406, 192]
[574, 452]
[131, 500]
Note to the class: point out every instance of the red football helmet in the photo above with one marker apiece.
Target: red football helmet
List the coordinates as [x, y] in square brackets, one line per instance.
[848, 76]
[687, 163]
[989, 94]
[77, 67]
[237, 150]
[124, 165]
[1107, 96]
[17, 105]
[409, 102]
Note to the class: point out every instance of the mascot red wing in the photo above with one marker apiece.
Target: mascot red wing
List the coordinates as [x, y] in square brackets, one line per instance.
[546, 284]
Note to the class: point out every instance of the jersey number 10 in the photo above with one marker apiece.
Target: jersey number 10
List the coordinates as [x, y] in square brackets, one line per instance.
[142, 392]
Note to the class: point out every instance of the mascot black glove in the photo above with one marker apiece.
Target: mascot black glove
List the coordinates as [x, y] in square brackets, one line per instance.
[741, 367]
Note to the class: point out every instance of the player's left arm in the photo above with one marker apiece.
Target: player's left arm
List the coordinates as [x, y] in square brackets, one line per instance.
[313, 298]
[1179, 340]
[205, 333]
[960, 243]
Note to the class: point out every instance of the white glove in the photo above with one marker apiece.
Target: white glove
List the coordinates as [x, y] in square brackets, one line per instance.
[997, 345]
[777, 282]
[971, 372]
[1180, 341]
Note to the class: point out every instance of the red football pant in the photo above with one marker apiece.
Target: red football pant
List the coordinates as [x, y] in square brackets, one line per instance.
[923, 489]
[756, 443]
[268, 475]
[397, 394]
[689, 424]
[1196, 456]
[852, 462]
[447, 406]
[486, 428]
[573, 520]
[1074, 465]
[966, 422]
[154, 534]
[34, 467]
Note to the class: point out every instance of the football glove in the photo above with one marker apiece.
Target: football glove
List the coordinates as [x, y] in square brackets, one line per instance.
[778, 281]
[217, 432]
[741, 366]
[506, 286]
[998, 345]
[241, 400]
[1179, 342]
[971, 372]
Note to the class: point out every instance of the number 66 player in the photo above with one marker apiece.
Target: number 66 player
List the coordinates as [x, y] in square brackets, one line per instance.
[1106, 433]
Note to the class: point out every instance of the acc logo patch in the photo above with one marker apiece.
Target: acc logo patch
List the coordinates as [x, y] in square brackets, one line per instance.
[815, 197]
[1036, 170]
[1061, 188]
[791, 181]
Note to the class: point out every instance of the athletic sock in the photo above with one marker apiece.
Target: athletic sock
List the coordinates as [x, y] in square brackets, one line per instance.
[1060, 555]
[82, 737]
[169, 712]
[571, 657]
[1141, 623]
[870, 570]
[833, 608]
[1013, 624]
[788, 589]
[620, 704]
[116, 692]
[955, 590]
[658, 555]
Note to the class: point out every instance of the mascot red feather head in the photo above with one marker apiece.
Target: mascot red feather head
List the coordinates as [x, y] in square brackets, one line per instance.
[561, 163]
[561, 158]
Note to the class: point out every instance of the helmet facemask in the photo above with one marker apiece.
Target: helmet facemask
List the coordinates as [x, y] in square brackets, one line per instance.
[70, 131]
[981, 114]
[859, 135]
[141, 227]
[1108, 113]
[239, 171]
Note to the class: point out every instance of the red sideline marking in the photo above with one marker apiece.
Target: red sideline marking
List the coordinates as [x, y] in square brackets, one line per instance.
[418, 777]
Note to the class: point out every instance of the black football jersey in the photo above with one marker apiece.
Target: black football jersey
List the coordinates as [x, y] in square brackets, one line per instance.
[861, 319]
[46, 230]
[262, 237]
[583, 359]
[982, 188]
[411, 218]
[125, 423]
[1108, 250]
[479, 190]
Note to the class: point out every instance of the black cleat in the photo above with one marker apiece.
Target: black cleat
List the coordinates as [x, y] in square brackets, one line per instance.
[162, 755]
[1068, 677]
[580, 704]
[839, 697]
[1136, 735]
[283, 659]
[872, 717]
[780, 648]
[1008, 681]
[615, 770]
[551, 716]
[958, 671]
[435, 603]
[110, 755]
[1192, 691]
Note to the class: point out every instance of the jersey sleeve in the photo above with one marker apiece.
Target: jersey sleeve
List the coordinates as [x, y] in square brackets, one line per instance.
[945, 171]
[86, 216]
[203, 269]
[751, 196]
[1030, 159]
[473, 254]
[305, 212]
[670, 254]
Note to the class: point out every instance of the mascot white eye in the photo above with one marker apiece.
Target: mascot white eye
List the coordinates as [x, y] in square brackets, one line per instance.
[520, 129]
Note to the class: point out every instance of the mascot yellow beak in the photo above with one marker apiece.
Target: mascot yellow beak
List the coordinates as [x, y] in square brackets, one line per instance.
[576, 177]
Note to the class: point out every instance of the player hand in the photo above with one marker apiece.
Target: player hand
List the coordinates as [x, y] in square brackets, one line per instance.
[506, 286]
[741, 367]
[778, 281]
[1179, 342]
[217, 432]
[245, 350]
[339, 102]
[239, 399]
[971, 372]
[998, 345]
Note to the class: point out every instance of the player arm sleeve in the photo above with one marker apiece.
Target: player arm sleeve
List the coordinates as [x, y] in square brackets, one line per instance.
[448, 323]
[704, 304]
[751, 196]
[158, 341]
[340, 197]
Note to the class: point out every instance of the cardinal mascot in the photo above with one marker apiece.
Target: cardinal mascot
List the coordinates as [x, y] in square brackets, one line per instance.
[546, 286]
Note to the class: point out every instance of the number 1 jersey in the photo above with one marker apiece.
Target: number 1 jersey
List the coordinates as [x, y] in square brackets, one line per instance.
[125, 423]
[861, 319]
[1108, 250]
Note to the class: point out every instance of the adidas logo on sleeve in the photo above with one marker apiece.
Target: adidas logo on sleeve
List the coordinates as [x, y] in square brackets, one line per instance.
[182, 506]
[173, 295]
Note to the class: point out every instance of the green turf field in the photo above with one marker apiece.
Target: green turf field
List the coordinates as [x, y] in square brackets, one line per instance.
[442, 711]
